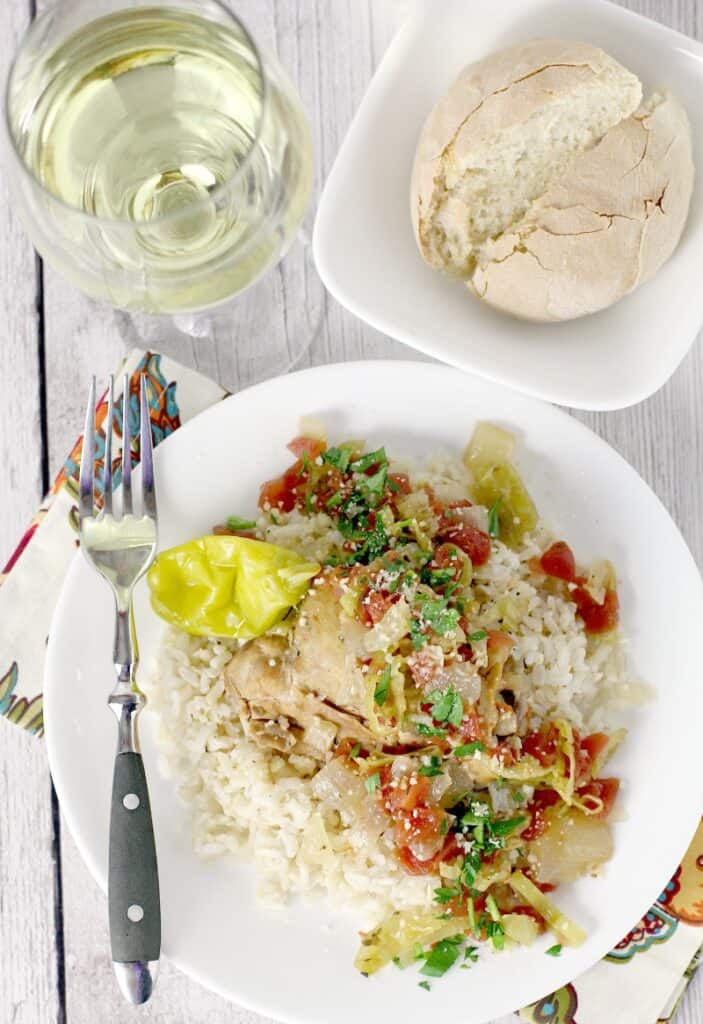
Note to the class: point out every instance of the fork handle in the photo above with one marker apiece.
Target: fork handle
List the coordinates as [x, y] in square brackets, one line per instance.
[133, 881]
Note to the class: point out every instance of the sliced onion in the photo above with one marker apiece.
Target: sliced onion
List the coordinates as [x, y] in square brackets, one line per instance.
[337, 787]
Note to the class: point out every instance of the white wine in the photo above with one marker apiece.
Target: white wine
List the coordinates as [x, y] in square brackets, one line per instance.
[193, 168]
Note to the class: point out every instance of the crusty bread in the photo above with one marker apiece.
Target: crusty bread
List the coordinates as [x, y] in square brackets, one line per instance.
[539, 182]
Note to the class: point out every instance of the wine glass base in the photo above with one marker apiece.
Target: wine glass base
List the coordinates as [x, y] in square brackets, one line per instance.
[263, 332]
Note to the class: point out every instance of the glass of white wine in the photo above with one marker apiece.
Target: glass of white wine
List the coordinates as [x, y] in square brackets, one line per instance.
[162, 162]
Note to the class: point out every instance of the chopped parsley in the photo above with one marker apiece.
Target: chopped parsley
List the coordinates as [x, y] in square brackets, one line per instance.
[443, 955]
[417, 633]
[478, 636]
[554, 950]
[398, 963]
[380, 694]
[447, 706]
[338, 457]
[468, 749]
[429, 730]
[335, 500]
[471, 953]
[237, 523]
[372, 782]
[435, 614]
[437, 577]
[368, 461]
[445, 894]
[518, 797]
[504, 828]
[425, 985]
[433, 768]
[493, 520]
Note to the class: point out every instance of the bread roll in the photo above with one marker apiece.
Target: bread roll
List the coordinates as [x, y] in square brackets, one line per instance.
[541, 181]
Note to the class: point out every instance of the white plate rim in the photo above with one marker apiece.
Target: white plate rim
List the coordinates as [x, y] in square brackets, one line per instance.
[686, 824]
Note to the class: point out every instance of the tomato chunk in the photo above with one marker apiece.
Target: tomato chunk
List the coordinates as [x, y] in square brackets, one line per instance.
[597, 618]
[537, 807]
[281, 492]
[543, 745]
[310, 446]
[472, 541]
[558, 561]
[375, 604]
[400, 483]
[605, 790]
[587, 751]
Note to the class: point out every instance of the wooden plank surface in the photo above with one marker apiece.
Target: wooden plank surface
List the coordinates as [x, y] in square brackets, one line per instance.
[28, 988]
[331, 48]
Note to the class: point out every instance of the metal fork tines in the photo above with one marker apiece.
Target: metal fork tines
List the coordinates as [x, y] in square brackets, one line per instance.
[121, 548]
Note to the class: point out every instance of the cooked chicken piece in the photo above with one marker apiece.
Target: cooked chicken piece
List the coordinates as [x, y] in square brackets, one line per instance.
[301, 693]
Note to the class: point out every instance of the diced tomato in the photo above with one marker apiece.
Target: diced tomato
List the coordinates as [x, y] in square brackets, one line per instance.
[310, 446]
[424, 821]
[559, 561]
[543, 744]
[423, 667]
[446, 556]
[472, 541]
[587, 750]
[405, 798]
[400, 483]
[331, 484]
[471, 729]
[375, 604]
[281, 492]
[601, 789]
[597, 618]
[537, 807]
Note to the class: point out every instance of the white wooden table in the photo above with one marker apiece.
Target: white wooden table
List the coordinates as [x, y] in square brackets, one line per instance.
[53, 920]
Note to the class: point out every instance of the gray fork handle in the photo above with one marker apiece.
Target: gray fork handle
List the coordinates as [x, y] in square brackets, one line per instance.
[133, 880]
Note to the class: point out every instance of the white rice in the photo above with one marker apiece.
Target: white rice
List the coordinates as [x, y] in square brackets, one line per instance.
[252, 803]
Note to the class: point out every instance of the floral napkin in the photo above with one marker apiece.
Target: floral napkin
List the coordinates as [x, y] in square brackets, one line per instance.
[641, 981]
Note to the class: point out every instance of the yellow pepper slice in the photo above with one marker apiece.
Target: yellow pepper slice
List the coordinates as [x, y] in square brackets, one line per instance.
[228, 586]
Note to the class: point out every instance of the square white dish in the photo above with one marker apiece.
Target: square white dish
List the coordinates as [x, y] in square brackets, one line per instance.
[364, 246]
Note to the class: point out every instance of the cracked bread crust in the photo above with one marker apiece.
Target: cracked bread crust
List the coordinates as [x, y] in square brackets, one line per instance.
[607, 226]
[539, 182]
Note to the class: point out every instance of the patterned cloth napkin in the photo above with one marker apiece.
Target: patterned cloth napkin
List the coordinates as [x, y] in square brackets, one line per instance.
[641, 981]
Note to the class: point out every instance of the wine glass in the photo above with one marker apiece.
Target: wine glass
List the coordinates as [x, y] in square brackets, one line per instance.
[162, 162]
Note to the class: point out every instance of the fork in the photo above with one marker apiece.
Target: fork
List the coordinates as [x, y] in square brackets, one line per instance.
[121, 548]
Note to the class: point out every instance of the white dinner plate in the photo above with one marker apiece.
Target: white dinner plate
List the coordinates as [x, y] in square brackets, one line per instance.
[297, 966]
[364, 246]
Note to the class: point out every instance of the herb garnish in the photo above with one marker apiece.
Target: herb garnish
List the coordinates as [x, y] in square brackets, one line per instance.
[493, 520]
[478, 636]
[380, 694]
[236, 523]
[433, 768]
[338, 457]
[429, 730]
[467, 749]
[554, 950]
[443, 955]
[372, 782]
[447, 706]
